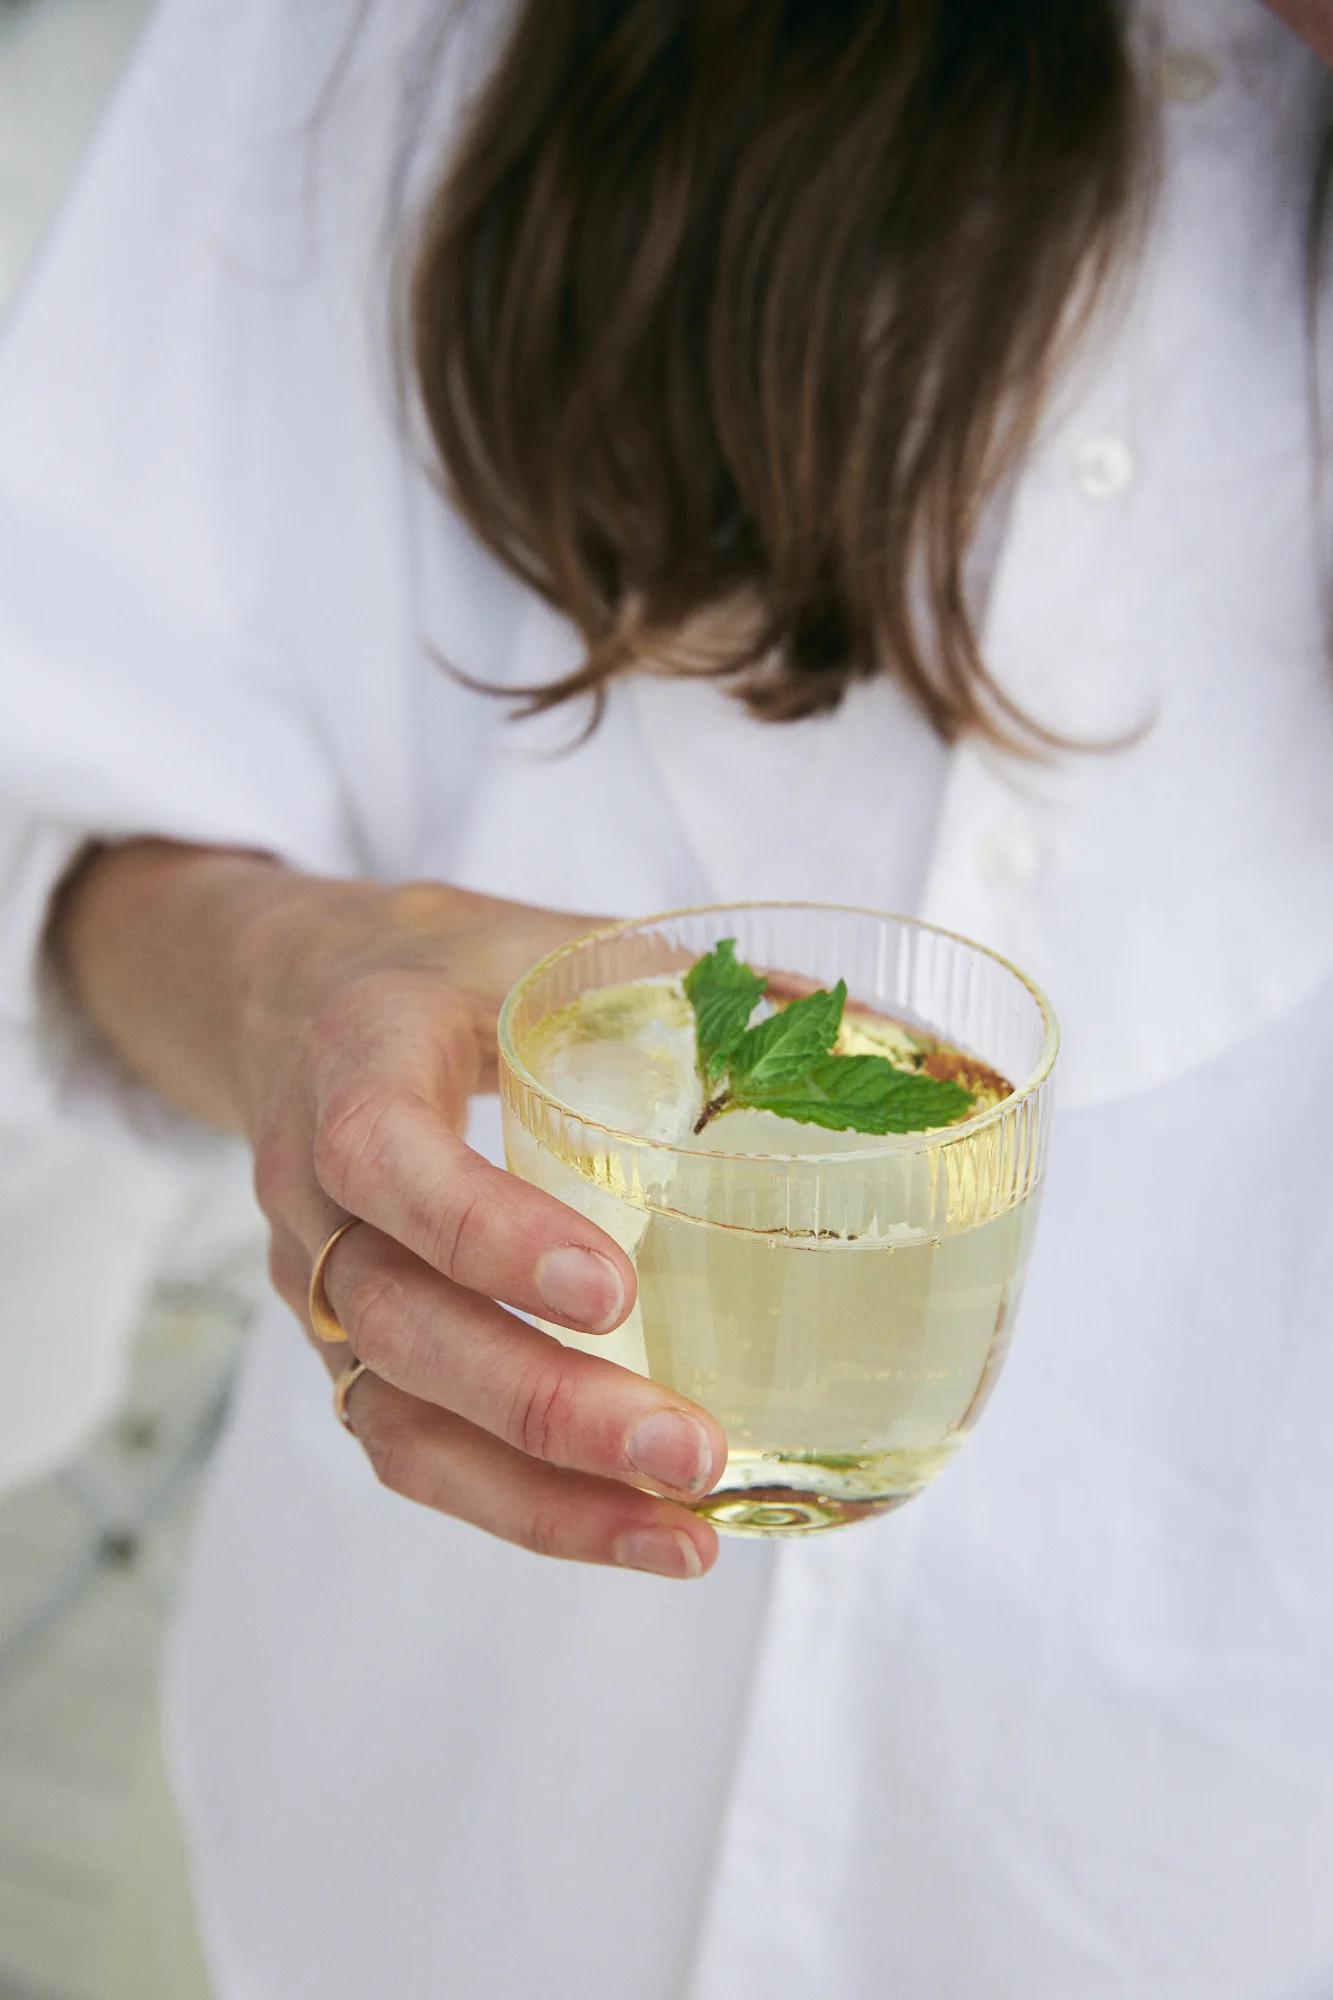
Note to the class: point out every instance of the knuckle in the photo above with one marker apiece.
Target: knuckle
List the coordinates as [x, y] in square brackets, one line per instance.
[375, 1004]
[455, 1235]
[544, 1415]
[353, 1141]
[396, 1460]
[347, 1014]
[548, 1529]
[274, 1171]
[287, 1281]
[376, 1319]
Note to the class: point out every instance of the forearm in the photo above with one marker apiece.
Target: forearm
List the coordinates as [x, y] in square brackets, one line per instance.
[156, 944]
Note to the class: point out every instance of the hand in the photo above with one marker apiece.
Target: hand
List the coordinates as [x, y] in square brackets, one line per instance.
[369, 1021]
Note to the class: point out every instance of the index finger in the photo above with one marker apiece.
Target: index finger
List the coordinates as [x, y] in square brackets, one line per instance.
[394, 1161]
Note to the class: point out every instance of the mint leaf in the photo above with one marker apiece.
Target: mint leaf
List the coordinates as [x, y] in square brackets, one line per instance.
[722, 992]
[860, 1094]
[786, 1064]
[784, 1047]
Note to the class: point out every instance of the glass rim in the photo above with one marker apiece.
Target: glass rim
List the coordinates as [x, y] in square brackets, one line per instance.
[885, 1144]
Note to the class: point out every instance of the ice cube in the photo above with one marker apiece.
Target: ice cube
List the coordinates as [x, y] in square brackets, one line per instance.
[624, 1057]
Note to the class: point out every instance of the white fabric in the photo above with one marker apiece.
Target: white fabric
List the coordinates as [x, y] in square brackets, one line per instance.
[1059, 1731]
[79, 1249]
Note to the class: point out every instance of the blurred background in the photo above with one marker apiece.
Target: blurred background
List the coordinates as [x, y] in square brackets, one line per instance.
[96, 1484]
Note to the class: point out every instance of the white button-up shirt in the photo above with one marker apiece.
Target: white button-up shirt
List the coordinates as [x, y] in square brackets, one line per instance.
[1061, 1730]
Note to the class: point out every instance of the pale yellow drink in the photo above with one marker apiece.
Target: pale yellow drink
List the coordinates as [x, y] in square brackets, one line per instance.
[845, 1373]
[840, 1302]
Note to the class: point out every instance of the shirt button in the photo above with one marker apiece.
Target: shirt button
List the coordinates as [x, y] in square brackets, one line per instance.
[1187, 76]
[1010, 855]
[1103, 466]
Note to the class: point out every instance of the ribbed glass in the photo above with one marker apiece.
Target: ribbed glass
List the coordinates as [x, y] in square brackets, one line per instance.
[926, 977]
[877, 1219]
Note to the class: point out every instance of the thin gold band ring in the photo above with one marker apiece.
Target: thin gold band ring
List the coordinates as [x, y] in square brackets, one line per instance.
[322, 1316]
[342, 1389]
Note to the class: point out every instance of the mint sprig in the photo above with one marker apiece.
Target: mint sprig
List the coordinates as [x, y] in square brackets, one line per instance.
[778, 1052]
[786, 1064]
[723, 994]
[867, 1094]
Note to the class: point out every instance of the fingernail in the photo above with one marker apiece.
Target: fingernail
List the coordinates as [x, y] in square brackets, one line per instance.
[663, 1551]
[583, 1286]
[672, 1449]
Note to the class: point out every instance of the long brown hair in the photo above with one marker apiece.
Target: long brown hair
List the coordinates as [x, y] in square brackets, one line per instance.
[729, 315]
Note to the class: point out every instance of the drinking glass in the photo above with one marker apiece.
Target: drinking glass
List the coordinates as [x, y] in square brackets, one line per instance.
[842, 1305]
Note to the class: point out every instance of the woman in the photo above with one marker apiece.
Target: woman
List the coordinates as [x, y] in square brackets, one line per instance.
[746, 339]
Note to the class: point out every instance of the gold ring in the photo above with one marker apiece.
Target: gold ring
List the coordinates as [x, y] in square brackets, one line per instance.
[342, 1389]
[322, 1316]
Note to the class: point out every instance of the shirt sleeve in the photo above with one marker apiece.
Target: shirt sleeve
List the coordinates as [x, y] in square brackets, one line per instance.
[143, 687]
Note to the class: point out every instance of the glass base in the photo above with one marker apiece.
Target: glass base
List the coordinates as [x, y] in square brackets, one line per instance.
[766, 1494]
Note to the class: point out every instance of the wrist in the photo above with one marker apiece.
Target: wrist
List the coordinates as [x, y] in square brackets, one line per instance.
[147, 936]
[294, 938]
